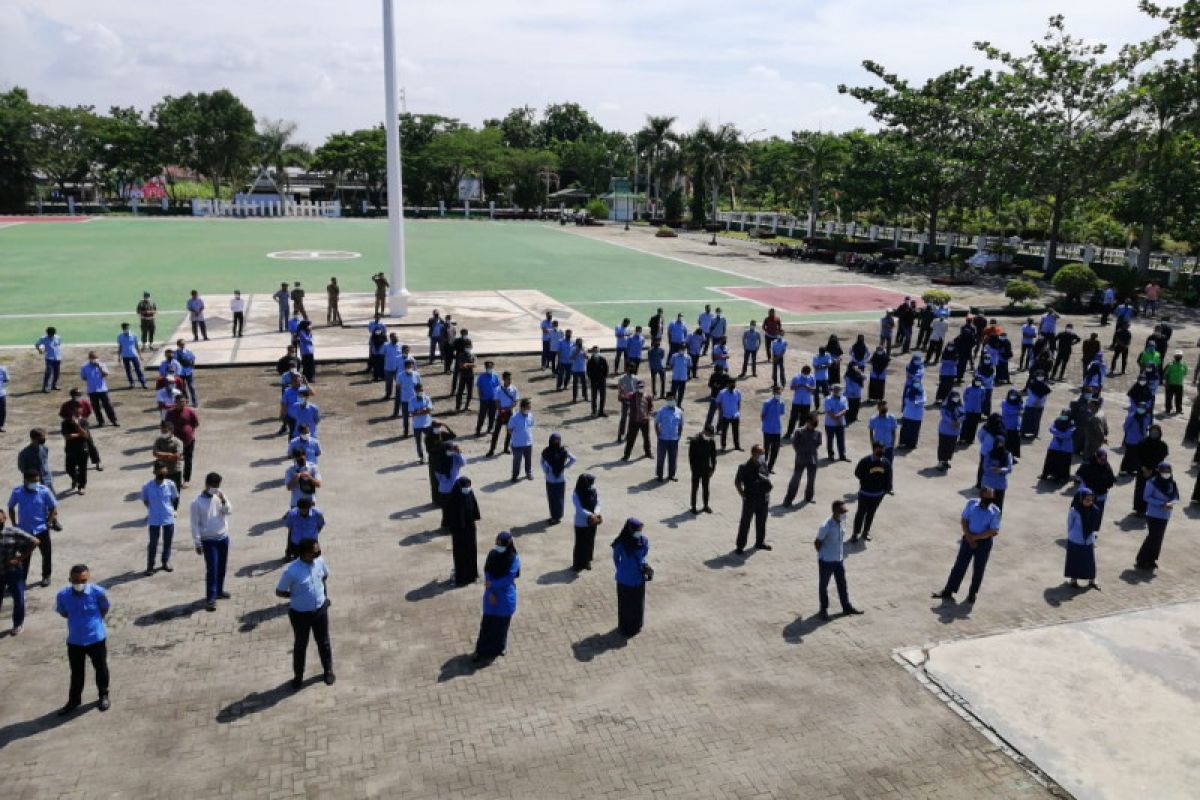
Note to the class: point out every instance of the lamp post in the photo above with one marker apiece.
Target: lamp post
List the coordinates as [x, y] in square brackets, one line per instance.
[395, 192]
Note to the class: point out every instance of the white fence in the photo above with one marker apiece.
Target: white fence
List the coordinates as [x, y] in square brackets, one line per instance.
[266, 208]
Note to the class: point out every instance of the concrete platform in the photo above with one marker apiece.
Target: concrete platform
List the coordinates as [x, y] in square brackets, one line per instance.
[1106, 707]
[500, 322]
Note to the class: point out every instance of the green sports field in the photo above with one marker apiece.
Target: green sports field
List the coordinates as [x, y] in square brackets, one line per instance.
[93, 274]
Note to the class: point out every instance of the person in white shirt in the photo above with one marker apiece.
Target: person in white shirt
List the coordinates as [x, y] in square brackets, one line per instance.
[210, 534]
[238, 306]
[937, 339]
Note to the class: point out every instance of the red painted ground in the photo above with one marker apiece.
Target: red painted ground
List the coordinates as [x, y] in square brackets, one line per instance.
[33, 218]
[823, 298]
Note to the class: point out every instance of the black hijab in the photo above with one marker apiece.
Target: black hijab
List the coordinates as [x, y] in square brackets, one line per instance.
[555, 454]
[585, 489]
[1089, 516]
[833, 347]
[498, 565]
[629, 537]
[462, 509]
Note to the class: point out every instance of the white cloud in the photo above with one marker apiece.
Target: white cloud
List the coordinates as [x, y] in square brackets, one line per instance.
[759, 63]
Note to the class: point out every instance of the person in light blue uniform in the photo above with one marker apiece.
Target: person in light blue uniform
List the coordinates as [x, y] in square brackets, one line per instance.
[947, 372]
[95, 375]
[773, 411]
[50, 348]
[629, 562]
[127, 349]
[703, 324]
[500, 572]
[408, 385]
[566, 347]
[997, 466]
[820, 364]
[546, 325]
[677, 333]
[488, 384]
[1160, 495]
[719, 327]
[1057, 466]
[84, 605]
[305, 521]
[187, 369]
[1012, 407]
[835, 423]
[882, 429]
[751, 340]
[520, 425]
[697, 345]
[779, 348]
[729, 403]
[972, 411]
[555, 462]
[579, 379]
[305, 412]
[1037, 390]
[949, 429]
[621, 333]
[989, 434]
[393, 362]
[668, 428]
[1096, 372]
[304, 440]
[720, 354]
[420, 408]
[1137, 425]
[657, 359]
[853, 391]
[911, 415]
[160, 496]
[914, 370]
[980, 522]
[985, 373]
[1029, 334]
[803, 388]
[1083, 521]
[634, 349]
[681, 368]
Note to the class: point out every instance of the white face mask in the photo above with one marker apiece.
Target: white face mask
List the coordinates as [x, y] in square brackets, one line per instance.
[762, 459]
[1166, 475]
[79, 587]
[466, 490]
[499, 548]
[30, 485]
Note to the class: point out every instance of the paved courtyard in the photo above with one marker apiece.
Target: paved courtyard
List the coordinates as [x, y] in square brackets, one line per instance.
[734, 690]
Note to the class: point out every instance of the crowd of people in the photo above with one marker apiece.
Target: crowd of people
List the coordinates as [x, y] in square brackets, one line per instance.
[971, 357]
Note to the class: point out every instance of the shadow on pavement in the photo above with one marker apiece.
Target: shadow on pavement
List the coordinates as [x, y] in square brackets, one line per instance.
[598, 644]
[257, 701]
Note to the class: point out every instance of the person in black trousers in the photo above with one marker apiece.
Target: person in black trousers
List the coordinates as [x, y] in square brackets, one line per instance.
[753, 483]
[303, 585]
[702, 458]
[1064, 343]
[597, 375]
[874, 475]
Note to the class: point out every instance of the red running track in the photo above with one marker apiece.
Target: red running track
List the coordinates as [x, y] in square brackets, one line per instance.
[823, 298]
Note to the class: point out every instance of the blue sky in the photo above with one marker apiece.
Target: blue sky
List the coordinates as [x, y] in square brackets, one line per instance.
[762, 64]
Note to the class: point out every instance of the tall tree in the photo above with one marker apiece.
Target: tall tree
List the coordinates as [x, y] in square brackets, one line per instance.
[274, 137]
[566, 122]
[721, 155]
[211, 133]
[818, 160]
[655, 138]
[1061, 116]
[16, 148]
[66, 143]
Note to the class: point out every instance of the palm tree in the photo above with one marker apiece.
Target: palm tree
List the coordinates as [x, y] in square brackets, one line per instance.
[719, 153]
[656, 138]
[274, 140]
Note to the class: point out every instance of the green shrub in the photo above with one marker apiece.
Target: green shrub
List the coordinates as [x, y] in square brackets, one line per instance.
[664, 232]
[597, 208]
[673, 206]
[1019, 291]
[1074, 280]
[1033, 274]
[935, 297]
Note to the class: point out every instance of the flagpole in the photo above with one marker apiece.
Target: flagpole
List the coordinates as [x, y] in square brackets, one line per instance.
[395, 192]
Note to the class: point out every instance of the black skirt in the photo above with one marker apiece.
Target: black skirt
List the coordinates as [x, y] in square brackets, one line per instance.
[1012, 441]
[910, 432]
[946, 446]
[875, 388]
[631, 608]
[1031, 420]
[1081, 562]
[585, 543]
[493, 636]
[466, 555]
[1057, 466]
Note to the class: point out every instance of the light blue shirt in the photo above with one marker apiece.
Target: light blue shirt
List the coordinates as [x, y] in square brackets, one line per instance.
[311, 448]
[305, 584]
[3, 382]
[393, 358]
[831, 536]
[187, 360]
[301, 527]
[507, 396]
[772, 415]
[160, 500]
[127, 344]
[779, 347]
[305, 414]
[820, 365]
[980, 519]
[33, 507]
[883, 429]
[680, 364]
[297, 492]
[634, 346]
[52, 346]
[835, 404]
[93, 374]
[669, 422]
[521, 425]
[730, 401]
[802, 389]
[84, 612]
[421, 402]
[581, 513]
[751, 339]
[408, 383]
[677, 332]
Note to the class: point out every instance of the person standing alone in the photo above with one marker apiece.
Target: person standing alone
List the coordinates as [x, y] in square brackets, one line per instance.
[830, 555]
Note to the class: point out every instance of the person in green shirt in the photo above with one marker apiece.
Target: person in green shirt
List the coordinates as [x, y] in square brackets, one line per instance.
[1150, 359]
[1174, 375]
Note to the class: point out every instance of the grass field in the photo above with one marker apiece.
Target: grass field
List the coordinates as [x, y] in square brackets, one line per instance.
[93, 274]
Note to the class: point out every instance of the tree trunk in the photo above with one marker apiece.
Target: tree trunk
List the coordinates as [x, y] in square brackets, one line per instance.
[931, 246]
[1056, 215]
[814, 207]
[1145, 245]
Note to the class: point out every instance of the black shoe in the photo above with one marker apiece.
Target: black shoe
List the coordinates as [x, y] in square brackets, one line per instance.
[67, 709]
[970, 599]
[45, 582]
[99, 468]
[297, 682]
[706, 510]
[330, 677]
[943, 595]
[211, 605]
[763, 546]
[167, 567]
[851, 611]
[224, 595]
[740, 550]
[695, 510]
[105, 703]
[823, 614]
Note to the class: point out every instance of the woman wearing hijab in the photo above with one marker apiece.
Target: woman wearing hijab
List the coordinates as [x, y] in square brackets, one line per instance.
[1150, 451]
[629, 557]
[991, 432]
[878, 381]
[997, 466]
[446, 472]
[555, 460]
[1083, 520]
[1160, 496]
[986, 375]
[911, 415]
[834, 348]
[949, 429]
[853, 391]
[972, 399]
[462, 511]
[1136, 428]
[500, 573]
[1057, 466]
[1011, 409]
[587, 516]
[860, 350]
[947, 373]
[1036, 392]
[1097, 475]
